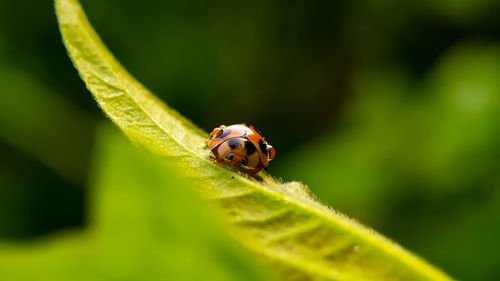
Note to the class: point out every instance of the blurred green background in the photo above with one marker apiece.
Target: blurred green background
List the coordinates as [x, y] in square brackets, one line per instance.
[388, 110]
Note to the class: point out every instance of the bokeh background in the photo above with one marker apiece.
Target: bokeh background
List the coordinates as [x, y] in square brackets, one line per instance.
[388, 110]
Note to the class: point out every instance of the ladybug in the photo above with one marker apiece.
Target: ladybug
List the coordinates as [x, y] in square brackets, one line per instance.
[240, 146]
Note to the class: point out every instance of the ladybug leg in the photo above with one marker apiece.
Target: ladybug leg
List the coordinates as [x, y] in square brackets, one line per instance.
[217, 160]
[252, 174]
[214, 133]
[257, 177]
[206, 143]
[217, 130]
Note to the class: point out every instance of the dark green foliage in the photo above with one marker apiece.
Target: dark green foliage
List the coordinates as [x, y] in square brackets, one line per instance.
[361, 91]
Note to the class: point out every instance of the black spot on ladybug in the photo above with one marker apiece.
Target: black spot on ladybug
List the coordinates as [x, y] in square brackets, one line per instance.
[234, 143]
[244, 161]
[223, 133]
[230, 156]
[263, 146]
[250, 147]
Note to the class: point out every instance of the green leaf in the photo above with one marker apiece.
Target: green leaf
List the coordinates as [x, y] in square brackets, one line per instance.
[302, 238]
[140, 202]
[146, 223]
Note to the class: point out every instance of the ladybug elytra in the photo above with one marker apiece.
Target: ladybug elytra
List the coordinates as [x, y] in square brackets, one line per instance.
[241, 146]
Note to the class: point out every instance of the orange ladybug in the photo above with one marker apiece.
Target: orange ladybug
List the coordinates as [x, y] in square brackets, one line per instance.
[240, 146]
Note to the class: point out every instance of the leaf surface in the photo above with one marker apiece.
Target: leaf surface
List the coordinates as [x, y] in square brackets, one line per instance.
[302, 238]
[145, 223]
